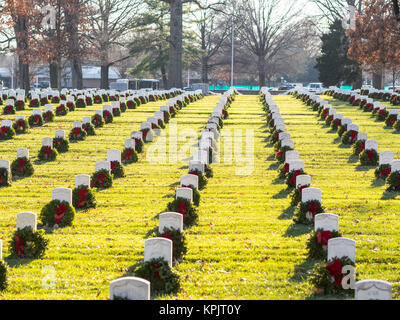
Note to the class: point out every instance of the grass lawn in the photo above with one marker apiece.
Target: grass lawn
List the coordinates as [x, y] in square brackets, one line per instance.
[245, 245]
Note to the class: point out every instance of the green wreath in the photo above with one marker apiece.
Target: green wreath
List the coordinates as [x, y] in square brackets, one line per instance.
[101, 179]
[83, 198]
[382, 115]
[108, 117]
[22, 167]
[5, 178]
[342, 130]
[19, 105]
[393, 181]
[61, 145]
[281, 154]
[105, 97]
[122, 106]
[196, 194]
[225, 114]
[321, 278]
[34, 103]
[98, 121]
[9, 110]
[77, 134]
[185, 207]
[60, 208]
[383, 171]
[61, 110]
[80, 103]
[312, 206]
[71, 106]
[35, 120]
[116, 112]
[208, 171]
[129, 156]
[117, 170]
[48, 116]
[167, 116]
[89, 129]
[28, 244]
[369, 158]
[21, 126]
[368, 107]
[139, 143]
[335, 124]
[358, 147]
[296, 196]
[3, 276]
[329, 120]
[161, 124]
[47, 154]
[7, 133]
[318, 242]
[282, 170]
[98, 100]
[44, 101]
[179, 247]
[391, 120]
[89, 101]
[291, 177]
[347, 137]
[163, 280]
[202, 179]
[55, 100]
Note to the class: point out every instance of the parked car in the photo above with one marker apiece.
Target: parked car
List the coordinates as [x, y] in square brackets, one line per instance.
[286, 87]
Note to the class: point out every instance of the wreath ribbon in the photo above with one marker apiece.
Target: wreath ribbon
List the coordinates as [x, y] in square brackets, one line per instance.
[128, 154]
[77, 131]
[47, 150]
[156, 272]
[323, 237]
[37, 119]
[293, 178]
[182, 209]
[83, 193]
[20, 247]
[100, 178]
[21, 163]
[370, 154]
[353, 136]
[60, 213]
[335, 270]
[3, 131]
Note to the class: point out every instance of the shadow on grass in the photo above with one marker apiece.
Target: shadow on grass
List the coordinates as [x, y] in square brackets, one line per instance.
[378, 183]
[278, 181]
[297, 230]
[282, 194]
[168, 196]
[175, 184]
[274, 166]
[364, 168]
[344, 146]
[353, 158]
[40, 162]
[271, 158]
[389, 195]
[287, 214]
[301, 271]
[150, 233]
[337, 140]
[16, 262]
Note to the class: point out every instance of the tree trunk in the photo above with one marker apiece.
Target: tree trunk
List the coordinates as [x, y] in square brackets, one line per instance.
[59, 76]
[26, 83]
[261, 71]
[204, 69]
[376, 80]
[53, 75]
[175, 45]
[104, 77]
[77, 76]
[164, 76]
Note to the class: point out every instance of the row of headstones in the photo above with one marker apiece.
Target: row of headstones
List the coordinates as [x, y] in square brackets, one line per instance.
[386, 95]
[134, 288]
[337, 247]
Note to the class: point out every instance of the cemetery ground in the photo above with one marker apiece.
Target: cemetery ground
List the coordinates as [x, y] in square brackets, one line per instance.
[245, 245]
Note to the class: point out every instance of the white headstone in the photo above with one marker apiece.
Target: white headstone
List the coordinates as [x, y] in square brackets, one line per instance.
[158, 248]
[77, 124]
[130, 288]
[201, 156]
[82, 180]
[114, 155]
[170, 220]
[287, 143]
[190, 179]
[130, 144]
[284, 136]
[326, 222]
[292, 155]
[341, 247]
[62, 194]
[22, 153]
[60, 134]
[352, 127]
[102, 165]
[303, 180]
[26, 219]
[362, 136]
[373, 290]
[47, 142]
[185, 193]
[395, 166]
[310, 194]
[196, 166]
[86, 120]
[6, 123]
[296, 165]
[37, 112]
[385, 157]
[371, 145]
[48, 107]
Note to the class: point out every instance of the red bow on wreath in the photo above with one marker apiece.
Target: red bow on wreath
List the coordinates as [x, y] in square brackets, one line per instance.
[153, 126]
[279, 154]
[293, 178]
[335, 270]
[113, 164]
[330, 118]
[323, 237]
[47, 151]
[60, 213]
[100, 178]
[370, 154]
[37, 119]
[83, 193]
[156, 272]
[20, 125]
[21, 163]
[286, 168]
[20, 247]
[167, 236]
[106, 115]
[353, 136]
[77, 131]
[385, 172]
[47, 116]
[301, 188]
[194, 172]
[128, 154]
[325, 113]
[313, 208]
[382, 112]
[362, 146]
[182, 209]
[392, 120]
[144, 134]
[3, 131]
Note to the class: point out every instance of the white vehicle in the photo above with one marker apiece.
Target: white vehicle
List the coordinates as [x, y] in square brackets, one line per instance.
[316, 87]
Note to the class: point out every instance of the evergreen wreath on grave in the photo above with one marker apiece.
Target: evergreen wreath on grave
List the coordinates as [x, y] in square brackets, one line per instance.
[283, 170]
[61, 145]
[137, 101]
[281, 154]
[211, 155]
[329, 120]
[61, 110]
[356, 102]
[196, 194]
[336, 123]
[89, 101]
[383, 171]
[9, 109]
[328, 276]
[369, 158]
[144, 133]
[172, 111]
[89, 129]
[5, 178]
[208, 171]
[274, 137]
[139, 145]
[55, 99]
[48, 116]
[101, 180]
[98, 99]
[47, 153]
[44, 101]
[19, 105]
[21, 126]
[117, 170]
[393, 181]
[22, 167]
[162, 278]
[80, 103]
[291, 177]
[324, 114]
[155, 126]
[122, 106]
[28, 244]
[342, 130]
[3, 276]
[98, 121]
[391, 120]
[143, 100]
[131, 104]
[105, 97]
[317, 244]
[315, 106]
[358, 147]
[179, 247]
[167, 116]
[306, 211]
[35, 120]
[225, 114]
[397, 126]
[161, 123]
[34, 103]
[77, 134]
[382, 115]
[57, 212]
[7, 133]
[296, 196]
[184, 207]
[368, 107]
[83, 198]
[349, 137]
[71, 106]
[129, 155]
[116, 112]
[363, 104]
[108, 117]
[202, 178]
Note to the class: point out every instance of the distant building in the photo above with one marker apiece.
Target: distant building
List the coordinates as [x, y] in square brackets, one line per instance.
[5, 77]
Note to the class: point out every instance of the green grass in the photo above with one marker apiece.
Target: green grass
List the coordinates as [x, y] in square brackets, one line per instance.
[245, 245]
